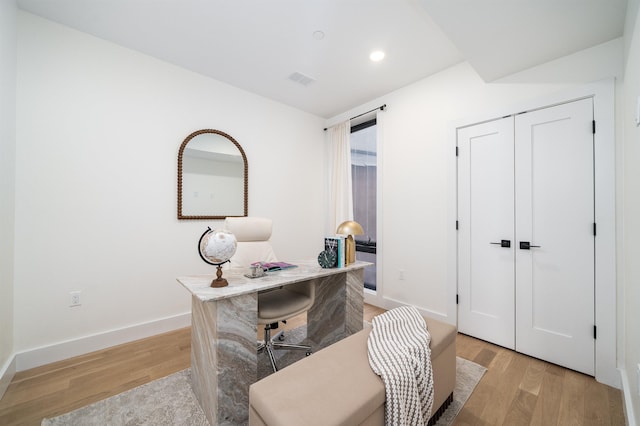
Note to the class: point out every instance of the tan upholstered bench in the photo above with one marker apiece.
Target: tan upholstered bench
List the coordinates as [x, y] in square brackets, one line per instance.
[336, 386]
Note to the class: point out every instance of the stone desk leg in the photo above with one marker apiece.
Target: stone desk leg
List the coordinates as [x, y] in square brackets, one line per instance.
[338, 308]
[224, 357]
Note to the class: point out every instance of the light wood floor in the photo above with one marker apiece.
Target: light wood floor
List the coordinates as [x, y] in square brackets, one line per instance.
[516, 390]
[520, 390]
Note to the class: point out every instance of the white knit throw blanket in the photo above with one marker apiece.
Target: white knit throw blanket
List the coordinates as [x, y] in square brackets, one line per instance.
[399, 353]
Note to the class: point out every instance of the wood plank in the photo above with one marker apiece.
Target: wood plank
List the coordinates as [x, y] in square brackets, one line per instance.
[548, 403]
[508, 371]
[521, 409]
[572, 399]
[532, 380]
[616, 409]
[468, 347]
[596, 404]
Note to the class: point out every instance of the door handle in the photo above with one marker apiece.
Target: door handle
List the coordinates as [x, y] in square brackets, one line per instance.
[503, 243]
[525, 245]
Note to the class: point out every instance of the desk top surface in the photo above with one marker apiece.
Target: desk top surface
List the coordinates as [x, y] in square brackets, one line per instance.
[199, 285]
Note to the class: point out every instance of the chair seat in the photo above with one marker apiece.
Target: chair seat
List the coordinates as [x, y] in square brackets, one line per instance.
[275, 305]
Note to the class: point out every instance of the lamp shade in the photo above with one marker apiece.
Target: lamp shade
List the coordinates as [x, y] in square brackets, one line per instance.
[350, 228]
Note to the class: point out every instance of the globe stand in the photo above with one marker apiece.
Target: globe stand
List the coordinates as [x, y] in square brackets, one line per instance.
[219, 281]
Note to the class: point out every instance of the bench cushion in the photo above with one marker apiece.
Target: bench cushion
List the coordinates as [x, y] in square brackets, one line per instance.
[334, 386]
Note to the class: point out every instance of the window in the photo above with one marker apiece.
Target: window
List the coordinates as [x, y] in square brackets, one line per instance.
[364, 169]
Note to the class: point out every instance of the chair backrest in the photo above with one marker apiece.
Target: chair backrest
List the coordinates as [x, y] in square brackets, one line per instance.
[253, 235]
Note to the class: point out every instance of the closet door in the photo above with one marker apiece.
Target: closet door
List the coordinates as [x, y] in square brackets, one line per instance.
[554, 187]
[485, 231]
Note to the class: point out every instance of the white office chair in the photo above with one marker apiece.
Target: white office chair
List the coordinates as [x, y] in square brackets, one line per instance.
[253, 234]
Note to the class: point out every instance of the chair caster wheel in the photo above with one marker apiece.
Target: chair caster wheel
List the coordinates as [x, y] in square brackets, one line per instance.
[308, 353]
[281, 337]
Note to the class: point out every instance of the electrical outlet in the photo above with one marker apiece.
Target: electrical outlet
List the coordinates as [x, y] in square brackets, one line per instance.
[75, 298]
[401, 274]
[638, 377]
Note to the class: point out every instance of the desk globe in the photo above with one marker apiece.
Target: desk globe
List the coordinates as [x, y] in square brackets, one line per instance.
[215, 248]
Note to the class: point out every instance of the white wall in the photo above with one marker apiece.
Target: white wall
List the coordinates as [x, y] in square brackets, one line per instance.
[417, 181]
[8, 11]
[631, 215]
[99, 128]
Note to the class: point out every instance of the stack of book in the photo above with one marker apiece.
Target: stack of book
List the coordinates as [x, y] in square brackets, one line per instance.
[274, 266]
[337, 245]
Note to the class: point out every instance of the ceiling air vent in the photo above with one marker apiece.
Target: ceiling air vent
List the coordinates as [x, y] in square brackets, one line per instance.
[298, 77]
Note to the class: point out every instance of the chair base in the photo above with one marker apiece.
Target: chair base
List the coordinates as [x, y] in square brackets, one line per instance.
[270, 343]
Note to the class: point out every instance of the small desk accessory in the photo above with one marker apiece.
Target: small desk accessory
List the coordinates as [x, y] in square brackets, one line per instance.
[216, 247]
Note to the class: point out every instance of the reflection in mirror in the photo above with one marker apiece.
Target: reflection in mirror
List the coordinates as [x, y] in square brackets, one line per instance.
[212, 176]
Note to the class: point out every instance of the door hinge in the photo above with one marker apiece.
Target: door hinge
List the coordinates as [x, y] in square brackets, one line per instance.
[457, 225]
[457, 300]
[595, 332]
[593, 123]
[456, 151]
[594, 229]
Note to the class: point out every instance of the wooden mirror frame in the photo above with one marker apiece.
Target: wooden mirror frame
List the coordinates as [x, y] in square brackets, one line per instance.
[246, 173]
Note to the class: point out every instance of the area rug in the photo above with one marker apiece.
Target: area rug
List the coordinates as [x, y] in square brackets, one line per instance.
[170, 400]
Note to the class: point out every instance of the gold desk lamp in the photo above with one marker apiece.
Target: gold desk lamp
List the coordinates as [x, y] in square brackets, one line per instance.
[350, 228]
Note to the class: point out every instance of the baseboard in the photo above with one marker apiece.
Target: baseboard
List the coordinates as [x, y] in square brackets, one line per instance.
[6, 374]
[84, 345]
[627, 402]
[391, 304]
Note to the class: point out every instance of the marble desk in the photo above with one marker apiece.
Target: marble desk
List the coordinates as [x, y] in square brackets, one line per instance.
[224, 328]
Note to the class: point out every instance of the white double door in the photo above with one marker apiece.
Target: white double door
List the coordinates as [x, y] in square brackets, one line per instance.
[526, 233]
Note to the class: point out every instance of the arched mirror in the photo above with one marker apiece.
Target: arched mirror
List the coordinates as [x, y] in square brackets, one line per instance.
[212, 176]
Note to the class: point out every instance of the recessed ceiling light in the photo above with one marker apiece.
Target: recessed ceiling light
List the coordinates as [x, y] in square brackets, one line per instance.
[377, 56]
[318, 35]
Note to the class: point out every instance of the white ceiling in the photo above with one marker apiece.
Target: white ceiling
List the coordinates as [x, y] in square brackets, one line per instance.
[256, 45]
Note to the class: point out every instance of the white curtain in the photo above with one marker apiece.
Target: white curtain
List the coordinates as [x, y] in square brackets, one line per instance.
[340, 192]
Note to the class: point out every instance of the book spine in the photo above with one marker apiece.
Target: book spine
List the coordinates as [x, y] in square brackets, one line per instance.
[341, 252]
